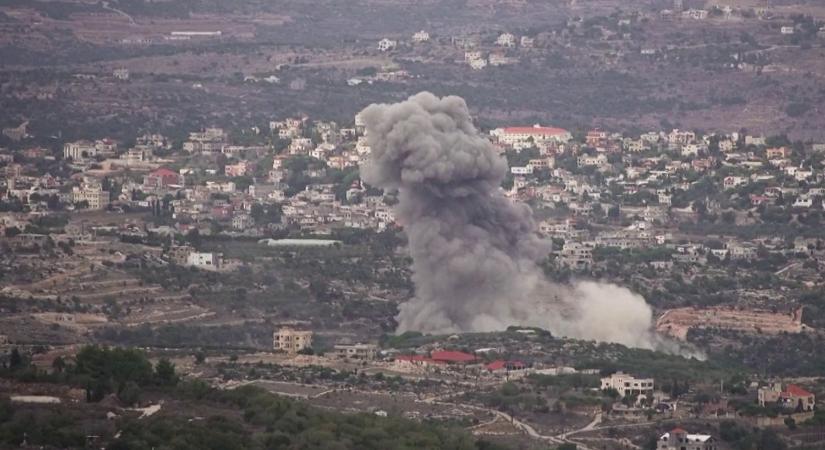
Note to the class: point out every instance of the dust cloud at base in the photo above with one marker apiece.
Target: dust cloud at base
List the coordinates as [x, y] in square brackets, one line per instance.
[475, 253]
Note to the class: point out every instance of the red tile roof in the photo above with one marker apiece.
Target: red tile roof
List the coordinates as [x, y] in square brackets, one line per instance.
[797, 391]
[164, 172]
[453, 357]
[678, 430]
[496, 365]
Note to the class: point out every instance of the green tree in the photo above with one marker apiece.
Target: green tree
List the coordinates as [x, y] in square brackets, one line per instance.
[15, 359]
[103, 368]
[165, 373]
[769, 440]
[58, 364]
[129, 393]
[257, 212]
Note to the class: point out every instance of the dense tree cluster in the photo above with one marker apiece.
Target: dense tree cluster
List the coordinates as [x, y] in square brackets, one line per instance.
[244, 418]
[99, 370]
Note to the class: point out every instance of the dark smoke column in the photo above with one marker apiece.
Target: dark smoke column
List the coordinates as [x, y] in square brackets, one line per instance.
[474, 252]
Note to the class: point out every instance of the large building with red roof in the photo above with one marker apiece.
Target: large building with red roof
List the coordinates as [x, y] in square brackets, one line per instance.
[453, 357]
[438, 358]
[501, 365]
[162, 178]
[793, 397]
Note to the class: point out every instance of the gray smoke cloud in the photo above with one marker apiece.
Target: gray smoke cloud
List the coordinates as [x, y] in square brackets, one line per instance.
[475, 252]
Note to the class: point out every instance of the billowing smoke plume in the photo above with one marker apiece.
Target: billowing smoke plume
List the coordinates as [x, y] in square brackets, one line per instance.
[474, 252]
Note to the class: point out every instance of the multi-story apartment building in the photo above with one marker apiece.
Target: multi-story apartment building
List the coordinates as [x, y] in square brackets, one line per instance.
[626, 384]
[291, 340]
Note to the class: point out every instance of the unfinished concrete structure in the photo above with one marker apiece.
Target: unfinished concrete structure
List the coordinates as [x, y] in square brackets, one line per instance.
[677, 322]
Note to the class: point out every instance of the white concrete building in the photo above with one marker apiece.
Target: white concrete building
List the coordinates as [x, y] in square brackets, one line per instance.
[679, 439]
[732, 182]
[137, 155]
[366, 352]
[121, 74]
[478, 64]
[506, 40]
[79, 150]
[496, 59]
[591, 160]
[576, 256]
[386, 45]
[201, 260]
[695, 14]
[523, 170]
[628, 385]
[535, 134]
[242, 221]
[421, 36]
[91, 192]
[472, 55]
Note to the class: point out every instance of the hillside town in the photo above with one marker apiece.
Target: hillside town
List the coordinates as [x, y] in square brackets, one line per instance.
[619, 206]
[595, 193]
[445, 224]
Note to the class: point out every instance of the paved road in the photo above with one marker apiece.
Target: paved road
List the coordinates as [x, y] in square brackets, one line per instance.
[528, 429]
[590, 426]
[520, 425]
[786, 268]
[106, 6]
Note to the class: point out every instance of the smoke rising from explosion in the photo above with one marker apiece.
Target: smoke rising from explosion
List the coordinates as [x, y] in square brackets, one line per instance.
[474, 252]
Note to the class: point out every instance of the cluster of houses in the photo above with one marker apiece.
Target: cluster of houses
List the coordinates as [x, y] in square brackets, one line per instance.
[419, 37]
[642, 184]
[634, 395]
[490, 49]
[498, 53]
[791, 397]
[294, 341]
[645, 182]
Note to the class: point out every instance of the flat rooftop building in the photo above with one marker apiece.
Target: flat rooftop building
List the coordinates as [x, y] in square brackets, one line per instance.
[366, 352]
[628, 385]
[291, 341]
